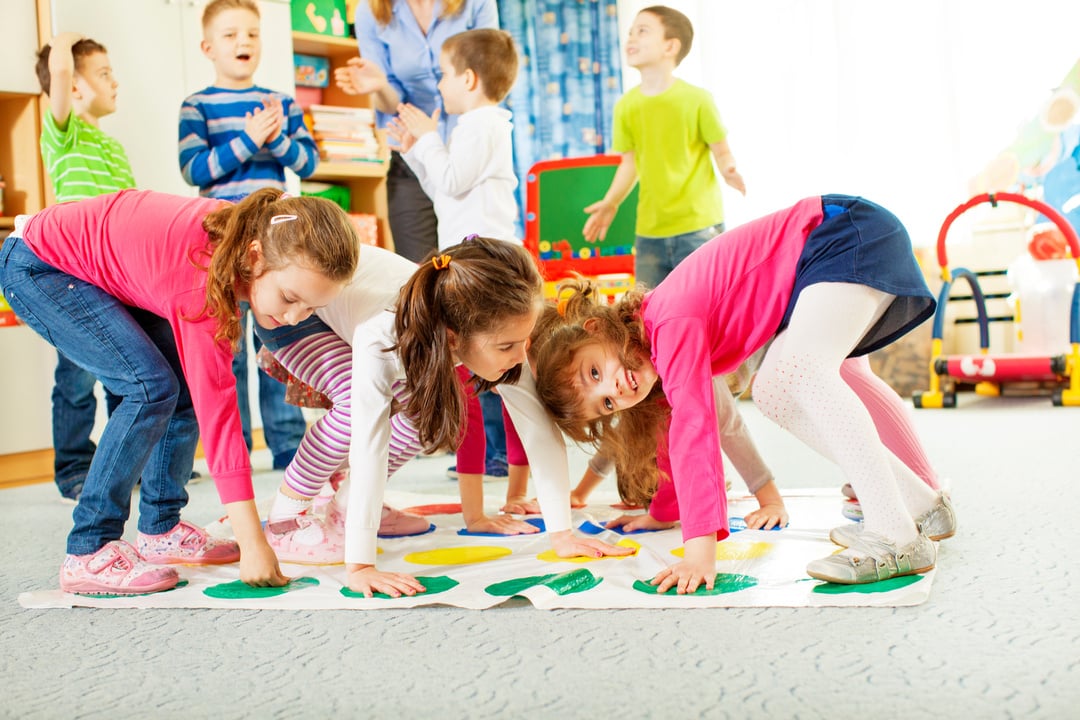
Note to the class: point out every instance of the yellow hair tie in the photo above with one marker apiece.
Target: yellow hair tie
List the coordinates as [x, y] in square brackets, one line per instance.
[561, 306]
[441, 262]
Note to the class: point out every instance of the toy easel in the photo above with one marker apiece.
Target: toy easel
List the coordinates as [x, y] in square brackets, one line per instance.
[557, 192]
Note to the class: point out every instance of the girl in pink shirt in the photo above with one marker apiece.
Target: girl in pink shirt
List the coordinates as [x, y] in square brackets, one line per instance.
[142, 289]
[827, 281]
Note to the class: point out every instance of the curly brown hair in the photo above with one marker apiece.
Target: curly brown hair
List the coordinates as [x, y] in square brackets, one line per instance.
[485, 284]
[319, 237]
[629, 437]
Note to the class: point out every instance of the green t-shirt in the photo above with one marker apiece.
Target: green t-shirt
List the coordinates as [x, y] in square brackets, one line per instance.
[670, 134]
[82, 160]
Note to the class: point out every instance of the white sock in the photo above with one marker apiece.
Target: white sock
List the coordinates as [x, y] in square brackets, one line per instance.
[285, 507]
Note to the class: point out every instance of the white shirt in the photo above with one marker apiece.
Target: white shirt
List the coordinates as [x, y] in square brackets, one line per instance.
[374, 375]
[374, 287]
[470, 180]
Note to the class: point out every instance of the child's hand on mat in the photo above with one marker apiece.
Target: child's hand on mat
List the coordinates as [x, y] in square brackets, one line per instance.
[259, 566]
[767, 517]
[629, 523]
[367, 580]
[697, 567]
[501, 525]
[771, 511]
[566, 544]
[521, 506]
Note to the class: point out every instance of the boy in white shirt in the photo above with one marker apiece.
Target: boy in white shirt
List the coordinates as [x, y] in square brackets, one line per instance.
[470, 179]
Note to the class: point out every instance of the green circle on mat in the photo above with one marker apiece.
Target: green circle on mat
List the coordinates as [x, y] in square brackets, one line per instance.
[725, 583]
[434, 584]
[177, 586]
[567, 583]
[240, 590]
[882, 586]
[508, 588]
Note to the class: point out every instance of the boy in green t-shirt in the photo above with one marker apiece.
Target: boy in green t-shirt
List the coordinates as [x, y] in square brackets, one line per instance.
[82, 161]
[668, 132]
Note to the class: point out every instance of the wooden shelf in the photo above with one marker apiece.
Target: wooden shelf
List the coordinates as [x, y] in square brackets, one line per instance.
[349, 170]
[315, 44]
[7, 223]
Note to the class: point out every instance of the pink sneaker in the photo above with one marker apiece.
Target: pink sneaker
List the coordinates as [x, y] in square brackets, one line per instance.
[186, 544]
[395, 523]
[115, 569]
[307, 540]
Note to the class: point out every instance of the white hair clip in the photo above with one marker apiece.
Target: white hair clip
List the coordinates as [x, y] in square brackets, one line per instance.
[281, 218]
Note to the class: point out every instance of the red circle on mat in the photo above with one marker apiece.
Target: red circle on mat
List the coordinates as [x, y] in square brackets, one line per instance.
[437, 509]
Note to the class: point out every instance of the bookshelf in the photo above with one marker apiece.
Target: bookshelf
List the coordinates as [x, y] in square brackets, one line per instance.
[366, 181]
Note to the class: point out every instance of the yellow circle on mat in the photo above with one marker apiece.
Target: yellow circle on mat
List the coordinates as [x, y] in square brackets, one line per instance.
[550, 556]
[458, 555]
[736, 550]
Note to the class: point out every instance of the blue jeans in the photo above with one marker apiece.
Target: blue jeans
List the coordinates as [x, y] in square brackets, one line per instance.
[283, 424]
[152, 432]
[655, 257]
[494, 429]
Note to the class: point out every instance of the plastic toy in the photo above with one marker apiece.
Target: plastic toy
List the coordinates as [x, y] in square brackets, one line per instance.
[557, 192]
[986, 370]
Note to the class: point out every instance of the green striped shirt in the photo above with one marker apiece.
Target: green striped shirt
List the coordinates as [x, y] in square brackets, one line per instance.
[83, 161]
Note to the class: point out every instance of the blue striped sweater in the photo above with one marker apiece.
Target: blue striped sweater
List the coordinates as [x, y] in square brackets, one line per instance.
[218, 157]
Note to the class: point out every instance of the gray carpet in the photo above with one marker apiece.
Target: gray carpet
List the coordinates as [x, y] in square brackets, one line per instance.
[999, 637]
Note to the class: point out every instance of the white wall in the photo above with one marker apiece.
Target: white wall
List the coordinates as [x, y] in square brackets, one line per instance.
[899, 102]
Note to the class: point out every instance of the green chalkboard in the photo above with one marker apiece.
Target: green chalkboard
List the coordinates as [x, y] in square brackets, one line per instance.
[559, 192]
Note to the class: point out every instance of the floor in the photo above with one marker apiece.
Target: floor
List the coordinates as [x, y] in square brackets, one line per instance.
[998, 638]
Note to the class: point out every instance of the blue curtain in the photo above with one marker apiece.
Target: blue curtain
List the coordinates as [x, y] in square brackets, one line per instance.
[568, 81]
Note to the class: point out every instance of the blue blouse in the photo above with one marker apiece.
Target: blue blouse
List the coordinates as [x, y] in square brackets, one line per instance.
[410, 58]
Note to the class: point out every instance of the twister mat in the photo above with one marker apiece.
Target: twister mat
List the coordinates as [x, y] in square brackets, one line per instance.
[754, 569]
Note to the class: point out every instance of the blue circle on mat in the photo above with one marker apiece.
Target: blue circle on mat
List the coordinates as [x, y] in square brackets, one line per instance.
[535, 522]
[737, 524]
[591, 528]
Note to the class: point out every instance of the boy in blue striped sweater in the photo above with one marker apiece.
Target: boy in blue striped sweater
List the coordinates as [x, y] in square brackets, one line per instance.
[236, 138]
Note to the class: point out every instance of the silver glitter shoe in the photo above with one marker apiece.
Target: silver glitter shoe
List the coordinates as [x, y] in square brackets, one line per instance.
[873, 558]
[937, 523]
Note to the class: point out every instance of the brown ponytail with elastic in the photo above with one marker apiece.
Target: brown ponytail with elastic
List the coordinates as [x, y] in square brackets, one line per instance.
[471, 288]
[307, 231]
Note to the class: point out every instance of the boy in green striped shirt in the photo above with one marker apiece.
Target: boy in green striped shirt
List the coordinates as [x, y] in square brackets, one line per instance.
[82, 161]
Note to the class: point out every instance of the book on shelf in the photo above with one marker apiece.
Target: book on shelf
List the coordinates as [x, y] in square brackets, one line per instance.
[344, 134]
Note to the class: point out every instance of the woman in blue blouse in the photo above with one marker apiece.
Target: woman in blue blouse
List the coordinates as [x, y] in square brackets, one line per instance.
[400, 42]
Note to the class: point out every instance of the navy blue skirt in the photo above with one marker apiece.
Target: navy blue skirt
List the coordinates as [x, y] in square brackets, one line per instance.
[288, 334]
[862, 243]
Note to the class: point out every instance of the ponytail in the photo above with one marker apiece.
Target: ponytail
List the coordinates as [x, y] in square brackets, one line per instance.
[317, 234]
[470, 288]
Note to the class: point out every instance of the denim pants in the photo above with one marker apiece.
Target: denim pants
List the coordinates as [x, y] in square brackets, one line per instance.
[152, 432]
[283, 424]
[494, 429]
[655, 257]
[74, 410]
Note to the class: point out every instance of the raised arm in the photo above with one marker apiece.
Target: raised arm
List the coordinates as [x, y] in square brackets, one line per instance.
[602, 212]
[61, 76]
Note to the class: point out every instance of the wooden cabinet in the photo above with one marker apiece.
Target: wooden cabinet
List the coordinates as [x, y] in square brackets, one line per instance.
[20, 127]
[366, 181]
